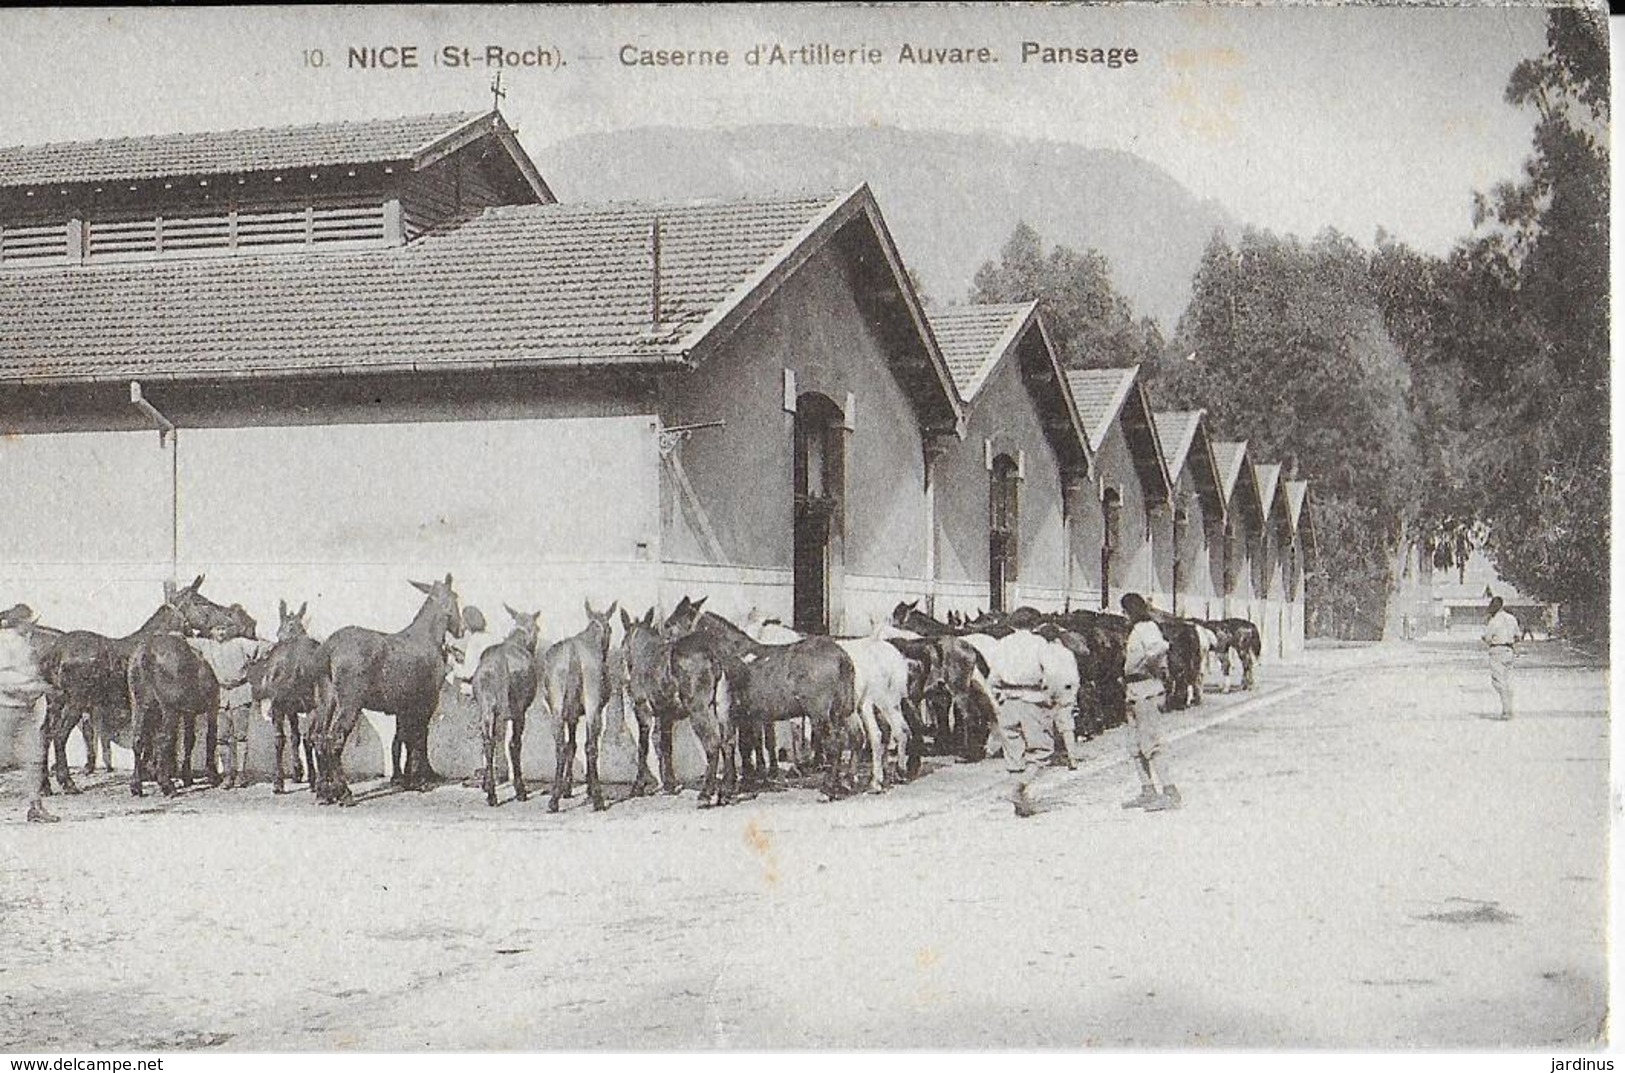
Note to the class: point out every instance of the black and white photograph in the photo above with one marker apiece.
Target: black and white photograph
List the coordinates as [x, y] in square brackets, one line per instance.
[795, 528]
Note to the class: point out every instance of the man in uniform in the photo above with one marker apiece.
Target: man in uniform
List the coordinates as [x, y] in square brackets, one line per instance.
[1145, 658]
[229, 657]
[1501, 635]
[1033, 690]
[22, 705]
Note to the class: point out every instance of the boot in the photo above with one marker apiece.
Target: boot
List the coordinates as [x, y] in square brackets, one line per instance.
[1148, 796]
[37, 813]
[228, 762]
[1023, 801]
[1168, 800]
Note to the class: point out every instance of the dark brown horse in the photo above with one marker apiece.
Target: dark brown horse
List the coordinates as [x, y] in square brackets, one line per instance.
[285, 683]
[648, 687]
[88, 673]
[397, 673]
[504, 685]
[574, 680]
[811, 679]
[171, 687]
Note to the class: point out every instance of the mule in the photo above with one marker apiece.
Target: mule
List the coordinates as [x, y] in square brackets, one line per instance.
[648, 688]
[396, 673]
[170, 688]
[284, 684]
[88, 675]
[504, 685]
[574, 679]
[812, 679]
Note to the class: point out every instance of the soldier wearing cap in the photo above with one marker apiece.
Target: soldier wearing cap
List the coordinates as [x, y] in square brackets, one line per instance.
[1034, 686]
[1501, 638]
[22, 704]
[1145, 660]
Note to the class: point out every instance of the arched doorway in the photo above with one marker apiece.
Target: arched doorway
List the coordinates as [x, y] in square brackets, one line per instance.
[820, 483]
[1003, 532]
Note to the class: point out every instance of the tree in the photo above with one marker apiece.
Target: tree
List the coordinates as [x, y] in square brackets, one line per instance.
[1292, 354]
[1090, 323]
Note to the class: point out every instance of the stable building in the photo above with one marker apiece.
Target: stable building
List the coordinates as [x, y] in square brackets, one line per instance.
[1243, 531]
[1115, 547]
[1007, 494]
[1193, 555]
[380, 351]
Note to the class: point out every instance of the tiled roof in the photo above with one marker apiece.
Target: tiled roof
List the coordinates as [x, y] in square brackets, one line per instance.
[229, 152]
[1267, 475]
[1100, 394]
[516, 285]
[973, 338]
[1176, 430]
[1296, 492]
[1229, 455]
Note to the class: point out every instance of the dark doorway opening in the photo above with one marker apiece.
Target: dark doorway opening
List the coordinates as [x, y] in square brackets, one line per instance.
[1003, 532]
[820, 481]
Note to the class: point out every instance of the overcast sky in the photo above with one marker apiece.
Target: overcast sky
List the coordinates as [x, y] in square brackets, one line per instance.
[1294, 119]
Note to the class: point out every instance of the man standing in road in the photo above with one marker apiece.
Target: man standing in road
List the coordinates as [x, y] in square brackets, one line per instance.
[1145, 658]
[22, 705]
[1019, 673]
[1501, 635]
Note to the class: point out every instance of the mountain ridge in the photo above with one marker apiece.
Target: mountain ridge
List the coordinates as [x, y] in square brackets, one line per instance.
[951, 200]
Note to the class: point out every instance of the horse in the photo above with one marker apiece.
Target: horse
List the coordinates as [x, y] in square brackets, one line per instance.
[880, 682]
[1240, 636]
[284, 684]
[397, 673]
[88, 675]
[574, 678]
[702, 693]
[812, 679]
[504, 686]
[648, 687]
[170, 688]
[948, 688]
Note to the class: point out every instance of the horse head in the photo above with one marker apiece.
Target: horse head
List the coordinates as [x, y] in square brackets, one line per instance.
[601, 624]
[900, 613]
[441, 606]
[189, 611]
[527, 628]
[683, 618]
[292, 623]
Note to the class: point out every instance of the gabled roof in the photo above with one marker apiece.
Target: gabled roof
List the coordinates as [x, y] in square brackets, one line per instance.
[1296, 492]
[975, 338]
[1106, 395]
[1185, 444]
[416, 141]
[519, 286]
[1235, 472]
[1268, 475]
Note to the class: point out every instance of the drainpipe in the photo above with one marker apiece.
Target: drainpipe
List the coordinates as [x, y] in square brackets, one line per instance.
[166, 430]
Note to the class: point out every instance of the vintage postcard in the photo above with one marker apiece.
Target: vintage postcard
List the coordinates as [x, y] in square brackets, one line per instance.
[788, 528]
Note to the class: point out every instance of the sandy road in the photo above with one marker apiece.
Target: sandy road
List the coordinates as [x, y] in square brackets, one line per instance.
[1362, 863]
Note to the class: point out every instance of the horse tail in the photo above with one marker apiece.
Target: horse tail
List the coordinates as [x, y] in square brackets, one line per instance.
[1254, 641]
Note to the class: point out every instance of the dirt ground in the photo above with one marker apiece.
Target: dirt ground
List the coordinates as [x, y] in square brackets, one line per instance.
[1363, 862]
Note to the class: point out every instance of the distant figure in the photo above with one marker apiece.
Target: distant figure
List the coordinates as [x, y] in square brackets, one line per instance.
[1145, 658]
[22, 693]
[1501, 636]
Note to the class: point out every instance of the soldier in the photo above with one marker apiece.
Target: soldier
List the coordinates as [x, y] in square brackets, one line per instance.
[1034, 683]
[229, 657]
[1144, 661]
[1501, 636]
[22, 705]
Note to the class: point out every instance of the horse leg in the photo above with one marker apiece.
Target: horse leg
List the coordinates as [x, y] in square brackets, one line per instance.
[770, 744]
[705, 728]
[59, 743]
[87, 731]
[332, 760]
[595, 736]
[168, 729]
[489, 728]
[663, 747]
[570, 763]
[516, 743]
[877, 747]
[563, 759]
[281, 721]
[645, 777]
